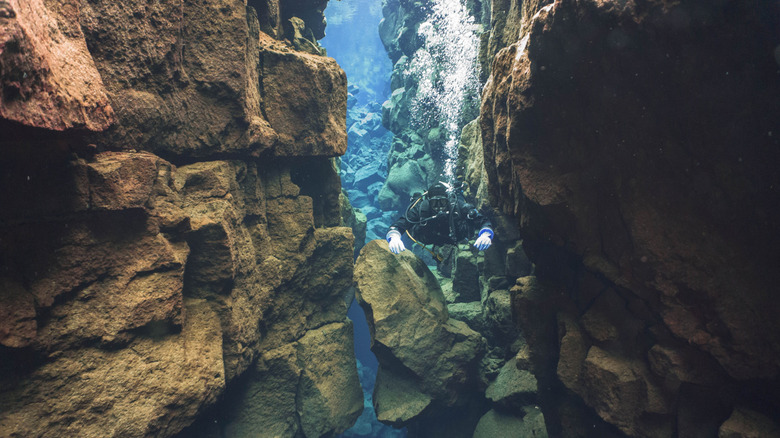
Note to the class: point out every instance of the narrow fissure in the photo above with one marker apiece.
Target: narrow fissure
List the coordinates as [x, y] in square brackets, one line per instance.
[553, 218]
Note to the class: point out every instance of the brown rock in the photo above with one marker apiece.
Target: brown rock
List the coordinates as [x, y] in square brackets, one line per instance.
[48, 77]
[255, 251]
[640, 201]
[609, 321]
[309, 113]
[573, 352]
[106, 278]
[747, 423]
[177, 85]
[411, 333]
[622, 392]
[219, 242]
[329, 394]
[156, 386]
[609, 133]
[685, 364]
[182, 89]
[308, 387]
[95, 258]
[133, 290]
[17, 315]
[312, 294]
[120, 181]
[274, 412]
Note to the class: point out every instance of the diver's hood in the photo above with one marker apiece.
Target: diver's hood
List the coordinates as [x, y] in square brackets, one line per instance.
[439, 190]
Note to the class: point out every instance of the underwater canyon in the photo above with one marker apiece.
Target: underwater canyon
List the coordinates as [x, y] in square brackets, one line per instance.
[194, 194]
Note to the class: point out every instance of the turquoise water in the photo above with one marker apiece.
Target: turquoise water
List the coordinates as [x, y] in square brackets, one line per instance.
[445, 72]
[352, 39]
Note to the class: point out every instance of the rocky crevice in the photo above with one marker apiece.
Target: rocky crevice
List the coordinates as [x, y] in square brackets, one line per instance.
[172, 260]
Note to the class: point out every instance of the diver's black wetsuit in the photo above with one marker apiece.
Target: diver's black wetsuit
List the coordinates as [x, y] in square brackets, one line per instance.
[447, 227]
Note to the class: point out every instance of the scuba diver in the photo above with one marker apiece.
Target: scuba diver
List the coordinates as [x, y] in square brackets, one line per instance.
[440, 216]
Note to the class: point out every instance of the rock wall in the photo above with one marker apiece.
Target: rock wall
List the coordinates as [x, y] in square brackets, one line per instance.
[635, 144]
[170, 226]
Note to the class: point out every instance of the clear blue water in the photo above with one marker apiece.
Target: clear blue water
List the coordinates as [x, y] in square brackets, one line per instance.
[352, 38]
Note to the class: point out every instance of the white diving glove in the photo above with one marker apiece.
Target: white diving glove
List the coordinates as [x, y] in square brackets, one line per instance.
[484, 240]
[394, 240]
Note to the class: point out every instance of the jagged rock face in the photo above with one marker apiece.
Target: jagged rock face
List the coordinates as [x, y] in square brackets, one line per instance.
[306, 376]
[49, 78]
[211, 82]
[471, 164]
[635, 144]
[137, 290]
[427, 360]
[156, 250]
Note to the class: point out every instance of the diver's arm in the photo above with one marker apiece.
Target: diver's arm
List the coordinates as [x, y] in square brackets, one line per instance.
[400, 225]
[395, 232]
[485, 232]
[486, 227]
[476, 217]
[484, 235]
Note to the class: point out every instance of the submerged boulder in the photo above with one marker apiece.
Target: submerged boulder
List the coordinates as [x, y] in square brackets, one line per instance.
[309, 387]
[513, 387]
[415, 341]
[402, 181]
[498, 424]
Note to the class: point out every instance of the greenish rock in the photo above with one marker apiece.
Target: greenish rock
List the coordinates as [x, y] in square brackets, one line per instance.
[470, 313]
[410, 327]
[513, 387]
[465, 278]
[517, 262]
[395, 111]
[471, 163]
[303, 38]
[411, 149]
[498, 316]
[398, 398]
[397, 78]
[402, 182]
[747, 423]
[490, 364]
[354, 219]
[496, 424]
[367, 175]
[435, 134]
